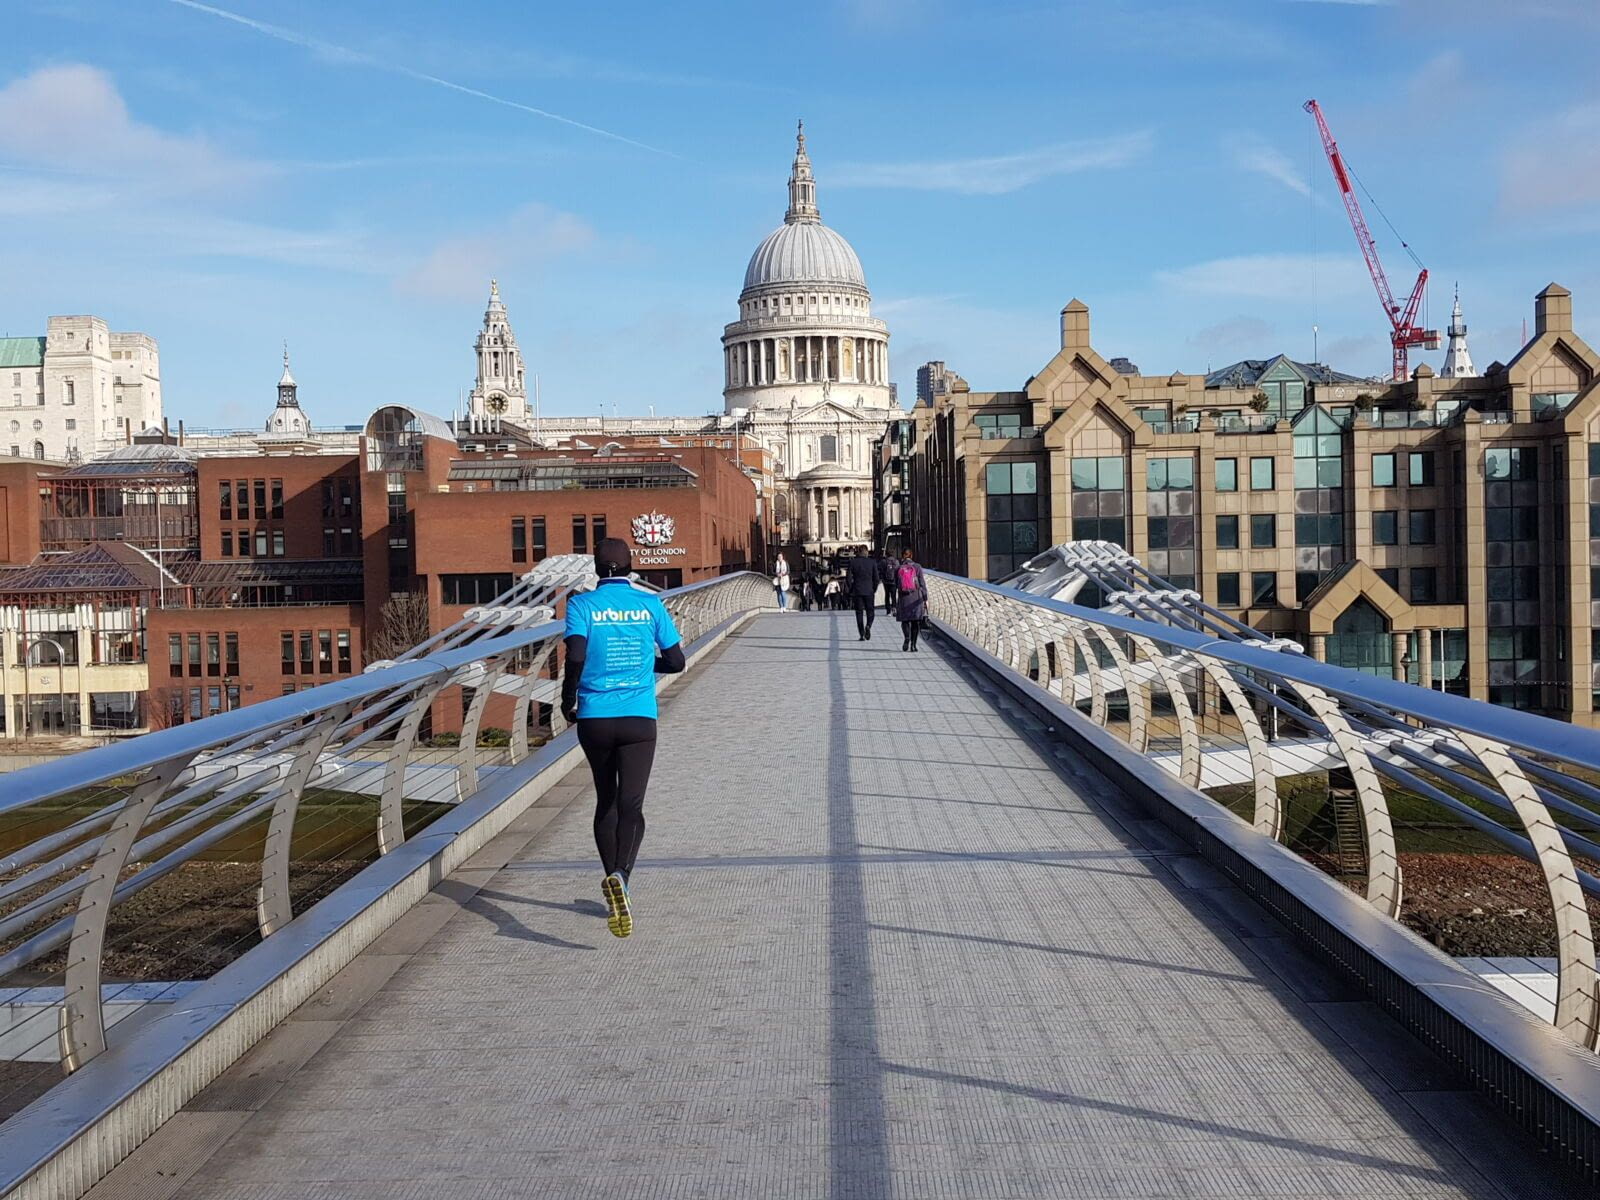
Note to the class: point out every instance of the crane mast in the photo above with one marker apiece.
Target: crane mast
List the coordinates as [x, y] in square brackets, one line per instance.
[1404, 331]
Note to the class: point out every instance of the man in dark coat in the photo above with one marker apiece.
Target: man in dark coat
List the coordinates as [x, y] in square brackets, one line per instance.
[862, 583]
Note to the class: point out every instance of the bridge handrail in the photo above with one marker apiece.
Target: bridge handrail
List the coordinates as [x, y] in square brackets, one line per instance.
[1461, 755]
[158, 801]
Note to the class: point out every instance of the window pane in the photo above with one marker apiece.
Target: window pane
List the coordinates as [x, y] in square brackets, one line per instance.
[1385, 527]
[1228, 532]
[1261, 474]
[1263, 587]
[1112, 476]
[1263, 530]
[1422, 527]
[1025, 478]
[1228, 589]
[1421, 469]
[1383, 470]
[1227, 474]
[1085, 475]
[997, 479]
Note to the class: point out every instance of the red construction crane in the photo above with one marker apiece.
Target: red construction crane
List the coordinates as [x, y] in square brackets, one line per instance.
[1403, 322]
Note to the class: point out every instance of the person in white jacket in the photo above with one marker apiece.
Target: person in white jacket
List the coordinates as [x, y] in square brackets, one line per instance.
[780, 580]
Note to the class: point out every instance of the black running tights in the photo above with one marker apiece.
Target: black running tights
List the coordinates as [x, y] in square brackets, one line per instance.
[620, 751]
[912, 630]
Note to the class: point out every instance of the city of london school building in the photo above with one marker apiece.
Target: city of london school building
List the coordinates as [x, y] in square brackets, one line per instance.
[1441, 530]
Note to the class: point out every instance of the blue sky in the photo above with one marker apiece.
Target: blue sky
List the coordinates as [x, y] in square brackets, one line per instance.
[347, 175]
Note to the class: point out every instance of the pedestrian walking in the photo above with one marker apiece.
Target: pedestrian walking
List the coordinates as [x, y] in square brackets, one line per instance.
[863, 581]
[619, 637]
[888, 573]
[780, 580]
[912, 603]
[831, 593]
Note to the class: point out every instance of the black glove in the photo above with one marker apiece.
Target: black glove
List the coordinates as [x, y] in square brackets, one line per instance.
[569, 715]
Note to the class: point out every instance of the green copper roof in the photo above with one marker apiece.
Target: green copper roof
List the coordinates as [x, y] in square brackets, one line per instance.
[21, 352]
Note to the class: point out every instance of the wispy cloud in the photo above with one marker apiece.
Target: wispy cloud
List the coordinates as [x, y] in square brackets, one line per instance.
[342, 55]
[1252, 154]
[459, 268]
[1269, 276]
[999, 174]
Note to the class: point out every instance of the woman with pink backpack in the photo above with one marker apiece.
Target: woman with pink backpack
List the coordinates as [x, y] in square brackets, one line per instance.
[913, 602]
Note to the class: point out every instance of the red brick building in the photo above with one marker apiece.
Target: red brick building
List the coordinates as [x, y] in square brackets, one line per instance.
[269, 573]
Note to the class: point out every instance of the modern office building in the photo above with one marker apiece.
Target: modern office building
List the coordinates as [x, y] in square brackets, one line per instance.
[1445, 530]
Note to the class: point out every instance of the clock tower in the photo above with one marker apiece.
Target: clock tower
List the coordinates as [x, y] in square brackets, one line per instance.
[500, 390]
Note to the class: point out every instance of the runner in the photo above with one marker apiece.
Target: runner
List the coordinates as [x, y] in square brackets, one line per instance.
[619, 637]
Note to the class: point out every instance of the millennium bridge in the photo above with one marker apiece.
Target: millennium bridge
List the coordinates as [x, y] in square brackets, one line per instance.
[1125, 900]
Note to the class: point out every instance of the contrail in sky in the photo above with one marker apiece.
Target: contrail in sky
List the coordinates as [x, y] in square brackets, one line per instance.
[356, 56]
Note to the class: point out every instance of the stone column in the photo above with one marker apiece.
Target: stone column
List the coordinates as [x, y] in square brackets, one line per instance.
[1425, 657]
[1397, 643]
[1319, 647]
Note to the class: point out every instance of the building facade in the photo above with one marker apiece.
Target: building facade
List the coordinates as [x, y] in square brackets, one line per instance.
[1442, 530]
[77, 392]
[155, 585]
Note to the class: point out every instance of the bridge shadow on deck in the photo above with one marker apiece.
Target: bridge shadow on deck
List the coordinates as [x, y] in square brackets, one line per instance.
[891, 945]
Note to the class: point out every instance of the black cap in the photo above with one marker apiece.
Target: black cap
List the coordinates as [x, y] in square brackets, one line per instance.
[612, 558]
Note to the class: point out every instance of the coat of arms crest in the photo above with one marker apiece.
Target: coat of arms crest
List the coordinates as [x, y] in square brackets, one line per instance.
[654, 529]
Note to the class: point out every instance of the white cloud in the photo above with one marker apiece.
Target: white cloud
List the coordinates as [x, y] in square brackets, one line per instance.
[999, 174]
[1252, 154]
[459, 268]
[67, 116]
[1269, 276]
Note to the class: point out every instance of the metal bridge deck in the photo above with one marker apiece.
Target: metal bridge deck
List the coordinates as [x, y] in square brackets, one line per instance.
[887, 945]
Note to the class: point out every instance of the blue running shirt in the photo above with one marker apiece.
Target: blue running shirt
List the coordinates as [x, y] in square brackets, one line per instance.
[625, 626]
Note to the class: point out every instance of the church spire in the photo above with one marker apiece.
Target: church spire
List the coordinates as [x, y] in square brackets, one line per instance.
[802, 185]
[1457, 358]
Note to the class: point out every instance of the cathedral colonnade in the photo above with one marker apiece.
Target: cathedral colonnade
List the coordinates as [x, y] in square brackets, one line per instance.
[807, 358]
[835, 512]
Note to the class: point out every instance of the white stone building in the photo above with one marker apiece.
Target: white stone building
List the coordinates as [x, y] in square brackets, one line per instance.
[500, 390]
[77, 392]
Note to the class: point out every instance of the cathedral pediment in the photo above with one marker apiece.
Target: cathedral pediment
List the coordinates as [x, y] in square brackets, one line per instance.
[829, 411]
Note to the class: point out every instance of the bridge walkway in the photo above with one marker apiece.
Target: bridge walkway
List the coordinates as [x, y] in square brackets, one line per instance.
[890, 943]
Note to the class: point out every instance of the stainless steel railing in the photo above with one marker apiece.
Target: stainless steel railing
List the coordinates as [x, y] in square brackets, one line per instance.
[87, 837]
[1484, 806]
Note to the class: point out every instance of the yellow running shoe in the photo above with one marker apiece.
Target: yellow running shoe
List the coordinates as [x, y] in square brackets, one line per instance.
[620, 920]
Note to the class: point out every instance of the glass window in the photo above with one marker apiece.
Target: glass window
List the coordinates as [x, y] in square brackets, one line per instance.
[1383, 470]
[540, 545]
[580, 537]
[1263, 531]
[1263, 588]
[286, 641]
[1424, 585]
[1176, 474]
[472, 589]
[227, 543]
[325, 651]
[1227, 532]
[213, 654]
[277, 499]
[226, 507]
[1421, 467]
[241, 499]
[519, 539]
[1227, 474]
[307, 660]
[175, 654]
[194, 653]
[1013, 516]
[277, 543]
[261, 543]
[231, 656]
[1385, 527]
[1228, 589]
[1422, 530]
[1512, 463]
[1390, 575]
[344, 651]
[260, 491]
[1261, 475]
[213, 701]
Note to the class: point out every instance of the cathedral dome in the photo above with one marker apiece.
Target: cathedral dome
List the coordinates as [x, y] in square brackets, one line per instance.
[803, 253]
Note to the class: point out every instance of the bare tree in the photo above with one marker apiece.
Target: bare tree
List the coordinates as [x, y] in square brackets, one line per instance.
[402, 623]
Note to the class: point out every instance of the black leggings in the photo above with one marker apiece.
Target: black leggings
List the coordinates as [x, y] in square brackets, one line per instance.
[866, 609]
[912, 630]
[621, 751]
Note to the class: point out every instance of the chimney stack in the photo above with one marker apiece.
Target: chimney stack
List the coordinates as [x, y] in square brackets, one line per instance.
[1552, 311]
[1075, 326]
